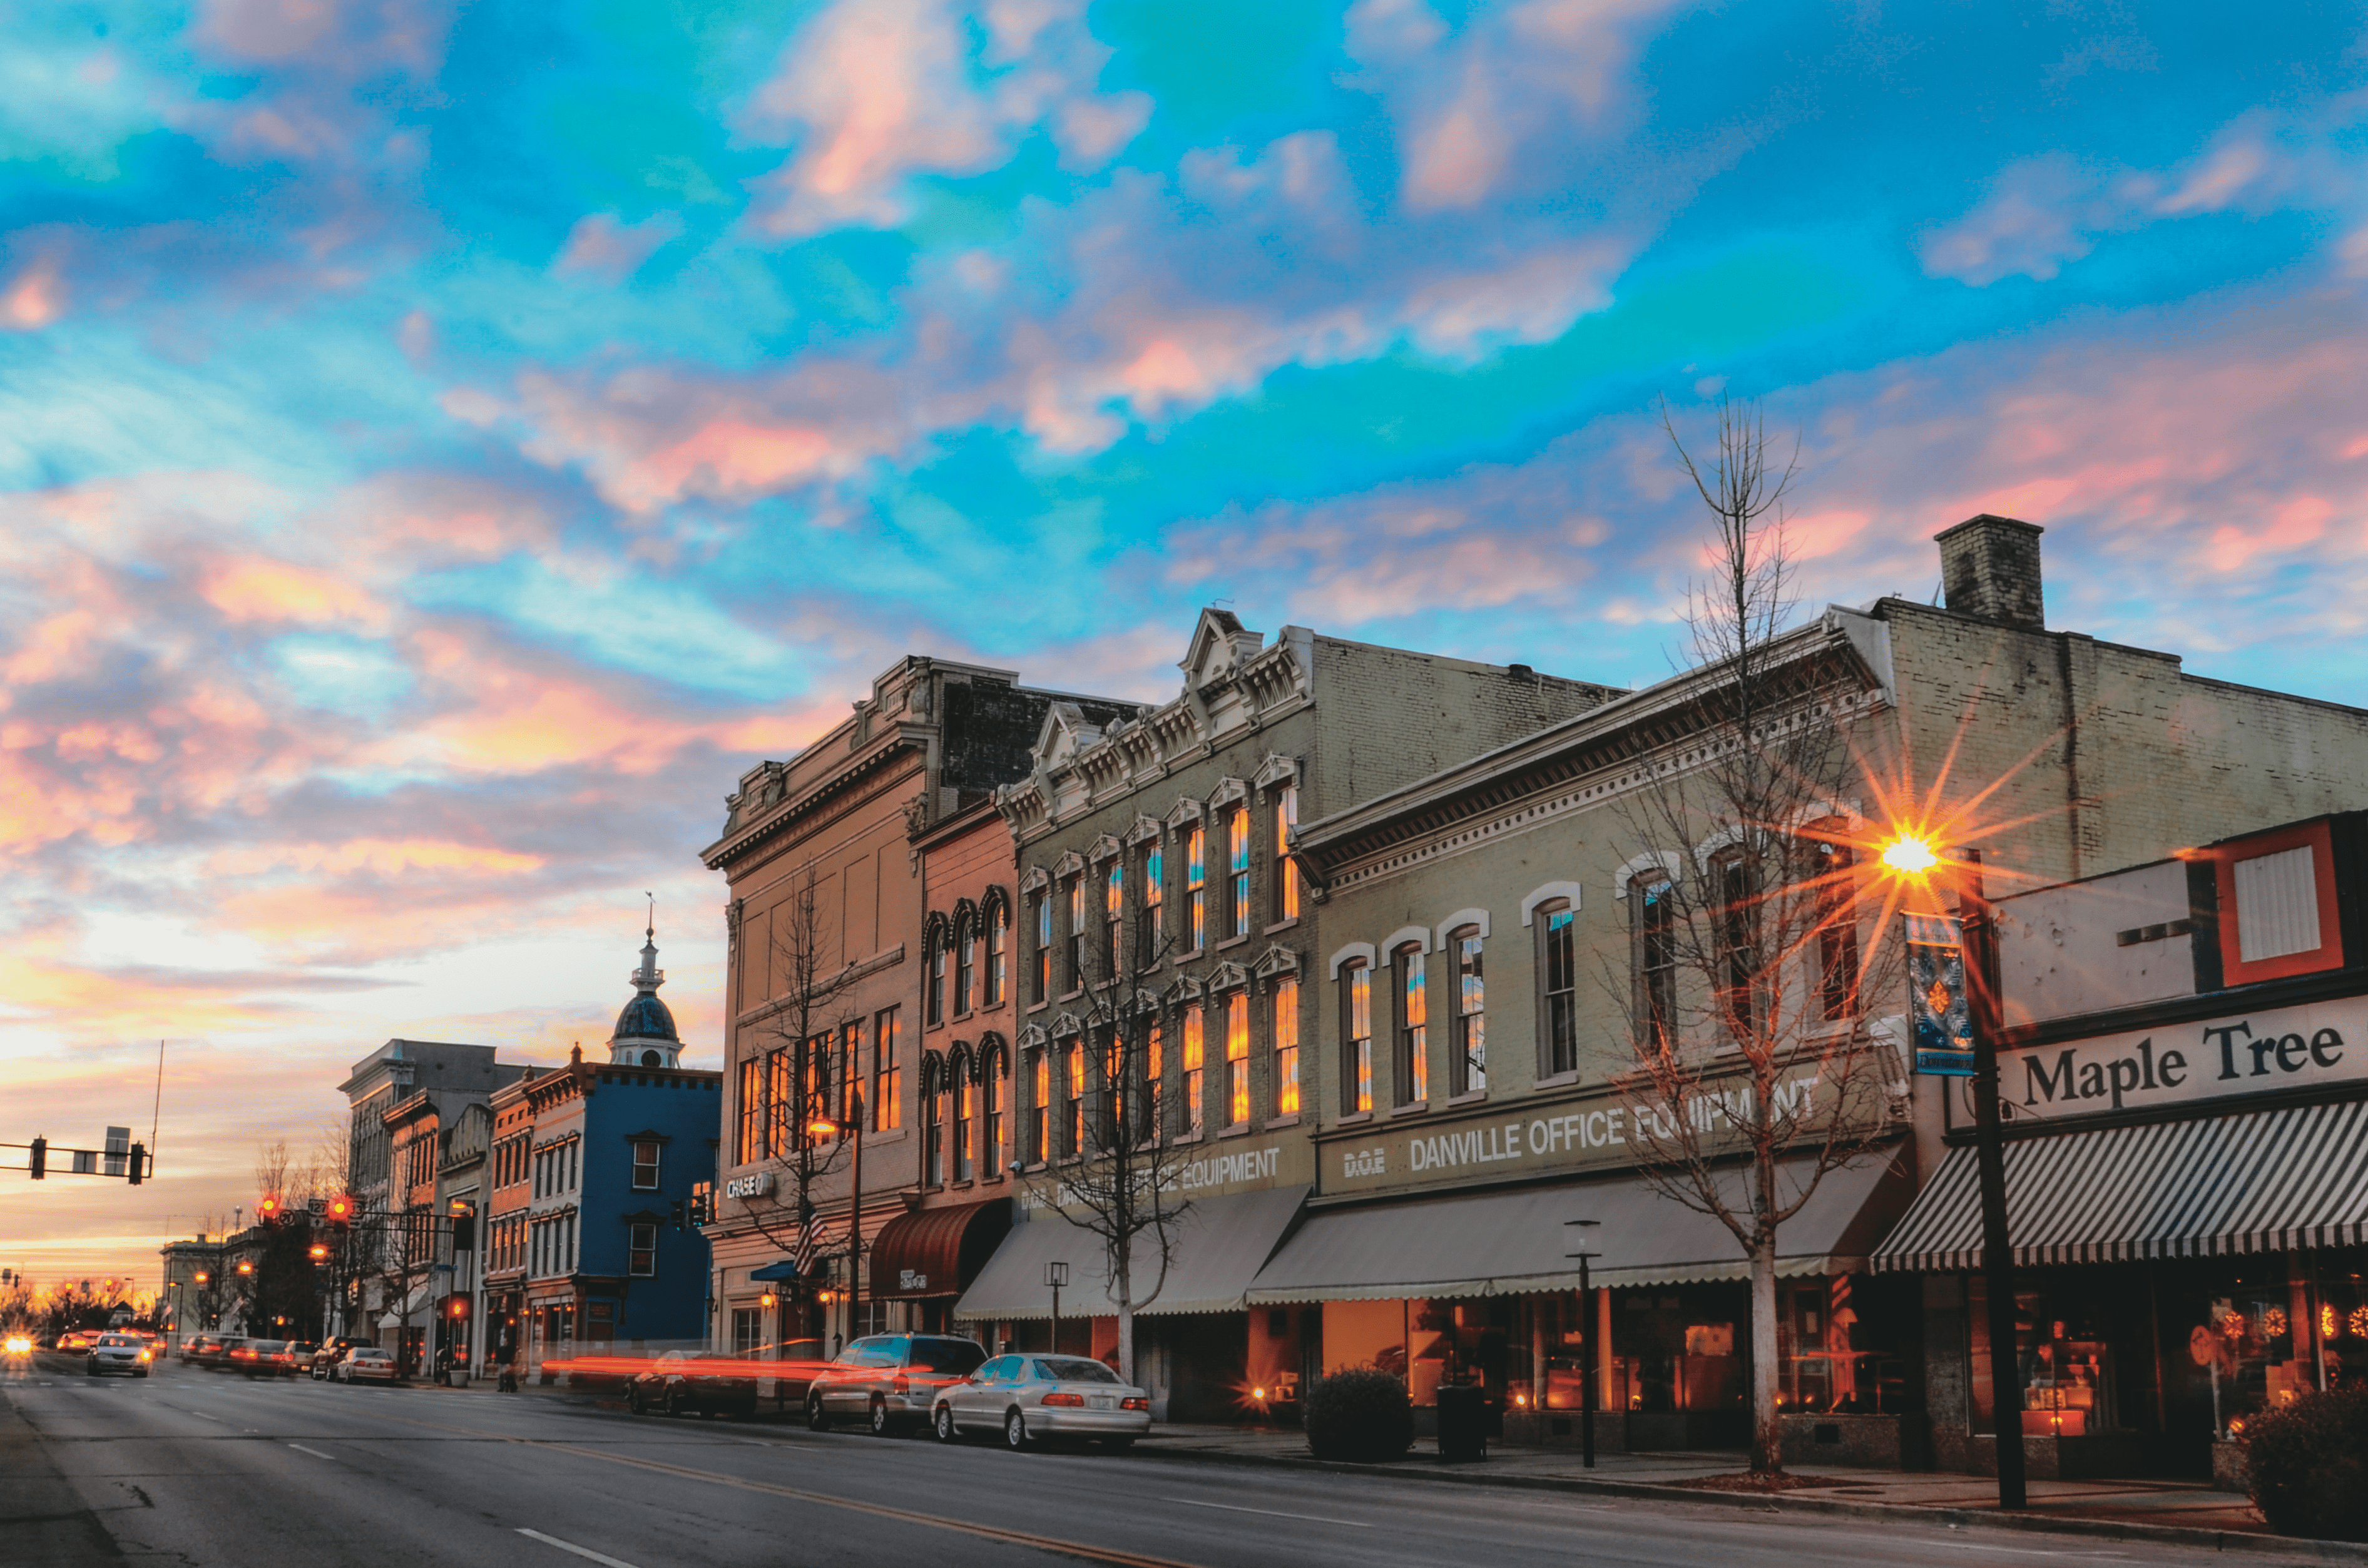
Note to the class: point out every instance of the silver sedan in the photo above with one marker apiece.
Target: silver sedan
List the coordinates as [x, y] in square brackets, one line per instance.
[1030, 1399]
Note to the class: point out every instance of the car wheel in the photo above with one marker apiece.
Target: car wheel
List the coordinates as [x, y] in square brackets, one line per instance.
[633, 1400]
[947, 1431]
[817, 1420]
[1015, 1430]
[674, 1406]
[91, 1371]
[879, 1416]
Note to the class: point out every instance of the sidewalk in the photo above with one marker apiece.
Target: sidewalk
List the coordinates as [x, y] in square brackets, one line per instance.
[2153, 1509]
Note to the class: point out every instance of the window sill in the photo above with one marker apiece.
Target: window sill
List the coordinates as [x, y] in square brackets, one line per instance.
[1412, 1107]
[1239, 1129]
[1557, 1081]
[1187, 956]
[1038, 1006]
[1231, 942]
[1279, 1122]
[1282, 926]
[1073, 995]
[893, 1135]
[1355, 1119]
[1471, 1096]
[1181, 1139]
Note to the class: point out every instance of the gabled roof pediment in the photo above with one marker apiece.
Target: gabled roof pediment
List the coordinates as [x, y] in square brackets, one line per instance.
[1219, 642]
[1064, 733]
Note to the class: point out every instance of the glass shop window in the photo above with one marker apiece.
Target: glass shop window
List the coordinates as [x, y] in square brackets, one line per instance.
[1827, 1363]
[2064, 1361]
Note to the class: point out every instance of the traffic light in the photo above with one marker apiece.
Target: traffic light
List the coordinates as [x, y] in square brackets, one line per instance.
[341, 1211]
[319, 1252]
[682, 1214]
[269, 1208]
[138, 1159]
[41, 1165]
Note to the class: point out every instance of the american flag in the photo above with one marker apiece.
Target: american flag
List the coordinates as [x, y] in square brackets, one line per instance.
[809, 1242]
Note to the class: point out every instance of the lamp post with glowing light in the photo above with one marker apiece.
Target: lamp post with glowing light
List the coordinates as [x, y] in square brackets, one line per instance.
[824, 1127]
[1911, 857]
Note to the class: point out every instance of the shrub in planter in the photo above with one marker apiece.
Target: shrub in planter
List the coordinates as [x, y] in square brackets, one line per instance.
[1360, 1413]
[2309, 1465]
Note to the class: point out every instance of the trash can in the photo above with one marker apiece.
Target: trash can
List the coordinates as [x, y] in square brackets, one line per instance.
[1462, 1423]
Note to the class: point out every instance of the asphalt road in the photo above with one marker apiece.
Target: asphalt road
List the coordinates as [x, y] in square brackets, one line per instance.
[202, 1469]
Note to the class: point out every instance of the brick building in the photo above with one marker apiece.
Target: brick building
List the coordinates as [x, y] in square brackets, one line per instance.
[827, 916]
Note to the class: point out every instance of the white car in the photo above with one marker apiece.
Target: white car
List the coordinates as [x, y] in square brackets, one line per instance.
[126, 1353]
[1031, 1398]
[365, 1363]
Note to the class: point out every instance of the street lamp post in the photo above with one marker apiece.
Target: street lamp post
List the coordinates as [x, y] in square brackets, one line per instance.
[1910, 856]
[1055, 1276]
[1587, 1348]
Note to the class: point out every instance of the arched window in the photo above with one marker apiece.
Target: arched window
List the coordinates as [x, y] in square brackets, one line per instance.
[934, 1005]
[1831, 868]
[1039, 1105]
[1559, 985]
[1114, 911]
[1469, 1071]
[1413, 1054]
[1153, 923]
[966, 1100]
[995, 1069]
[1653, 959]
[998, 952]
[1356, 1038]
[933, 1155]
[1286, 1045]
[1237, 1058]
[1073, 1098]
[1195, 1054]
[965, 963]
[1155, 1079]
[1237, 871]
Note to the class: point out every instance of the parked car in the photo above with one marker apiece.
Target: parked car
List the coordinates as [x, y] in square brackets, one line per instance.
[675, 1383]
[76, 1341]
[790, 1367]
[366, 1364]
[890, 1380]
[300, 1356]
[328, 1355]
[125, 1353]
[1030, 1399]
[262, 1358]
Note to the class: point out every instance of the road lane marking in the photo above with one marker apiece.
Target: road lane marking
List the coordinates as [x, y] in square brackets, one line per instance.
[203, 1416]
[314, 1452]
[1270, 1513]
[1114, 1555]
[579, 1551]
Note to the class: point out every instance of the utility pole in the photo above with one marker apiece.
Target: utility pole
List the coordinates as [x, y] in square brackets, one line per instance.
[1587, 1353]
[1980, 932]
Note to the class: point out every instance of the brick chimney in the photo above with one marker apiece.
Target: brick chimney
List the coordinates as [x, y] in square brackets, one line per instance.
[1989, 568]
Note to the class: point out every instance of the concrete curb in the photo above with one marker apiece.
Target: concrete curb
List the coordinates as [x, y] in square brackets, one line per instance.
[1896, 1512]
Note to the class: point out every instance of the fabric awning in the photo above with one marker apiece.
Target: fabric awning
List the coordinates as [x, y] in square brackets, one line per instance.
[1518, 1242]
[937, 1251]
[421, 1302]
[2251, 1181]
[1221, 1244]
[773, 1273]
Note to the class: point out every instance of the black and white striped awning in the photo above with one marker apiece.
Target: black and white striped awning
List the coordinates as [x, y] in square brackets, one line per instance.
[2251, 1181]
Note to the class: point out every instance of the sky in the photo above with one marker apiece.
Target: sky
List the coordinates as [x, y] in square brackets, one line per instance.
[442, 446]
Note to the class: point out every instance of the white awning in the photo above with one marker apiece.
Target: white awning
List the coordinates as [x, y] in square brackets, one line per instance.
[1220, 1245]
[423, 1307]
[1518, 1242]
[2242, 1182]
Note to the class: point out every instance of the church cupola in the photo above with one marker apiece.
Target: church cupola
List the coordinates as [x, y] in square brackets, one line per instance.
[645, 1034]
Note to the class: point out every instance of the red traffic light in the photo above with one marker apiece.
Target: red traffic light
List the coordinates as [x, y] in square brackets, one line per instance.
[269, 1206]
[341, 1209]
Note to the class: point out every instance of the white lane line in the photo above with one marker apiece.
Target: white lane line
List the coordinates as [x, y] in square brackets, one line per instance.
[1269, 1513]
[314, 1452]
[203, 1416]
[579, 1551]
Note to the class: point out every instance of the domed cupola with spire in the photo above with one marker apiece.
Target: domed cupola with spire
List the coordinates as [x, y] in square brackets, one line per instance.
[645, 1034]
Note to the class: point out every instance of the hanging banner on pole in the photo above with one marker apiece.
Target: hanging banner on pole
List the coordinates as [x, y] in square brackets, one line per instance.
[1939, 1008]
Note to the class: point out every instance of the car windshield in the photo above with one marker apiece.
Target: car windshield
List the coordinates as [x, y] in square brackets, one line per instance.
[267, 1346]
[1074, 1369]
[370, 1353]
[946, 1354]
[129, 1341]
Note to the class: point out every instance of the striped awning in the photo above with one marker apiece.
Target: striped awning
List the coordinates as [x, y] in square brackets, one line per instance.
[2251, 1181]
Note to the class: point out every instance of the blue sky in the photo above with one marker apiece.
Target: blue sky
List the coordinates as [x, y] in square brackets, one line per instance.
[441, 446]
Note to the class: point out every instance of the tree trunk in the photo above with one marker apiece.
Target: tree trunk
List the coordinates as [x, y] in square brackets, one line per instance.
[1767, 1435]
[1125, 1342]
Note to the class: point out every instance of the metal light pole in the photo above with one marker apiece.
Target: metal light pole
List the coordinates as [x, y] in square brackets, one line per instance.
[1056, 1275]
[1587, 1357]
[1980, 931]
[1910, 855]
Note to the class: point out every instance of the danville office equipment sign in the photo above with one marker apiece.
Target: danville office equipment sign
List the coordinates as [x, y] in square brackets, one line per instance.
[2314, 1045]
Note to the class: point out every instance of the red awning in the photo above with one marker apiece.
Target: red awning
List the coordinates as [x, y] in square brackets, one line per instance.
[937, 1251]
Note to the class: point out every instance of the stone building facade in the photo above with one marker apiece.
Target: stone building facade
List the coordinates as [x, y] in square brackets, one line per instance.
[1154, 884]
[1509, 890]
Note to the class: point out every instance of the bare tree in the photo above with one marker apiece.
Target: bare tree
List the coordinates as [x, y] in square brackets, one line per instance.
[1754, 1074]
[1121, 1189]
[272, 1165]
[811, 1095]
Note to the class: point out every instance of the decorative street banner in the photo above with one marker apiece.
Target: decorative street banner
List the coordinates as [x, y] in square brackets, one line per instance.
[1942, 1015]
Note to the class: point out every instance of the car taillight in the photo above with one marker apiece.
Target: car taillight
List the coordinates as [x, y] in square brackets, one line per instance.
[1076, 1399]
[1135, 1402]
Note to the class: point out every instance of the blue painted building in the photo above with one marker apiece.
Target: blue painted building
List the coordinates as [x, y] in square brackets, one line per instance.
[594, 1164]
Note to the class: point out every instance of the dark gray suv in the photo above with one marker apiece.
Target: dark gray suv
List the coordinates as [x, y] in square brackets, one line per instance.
[890, 1381]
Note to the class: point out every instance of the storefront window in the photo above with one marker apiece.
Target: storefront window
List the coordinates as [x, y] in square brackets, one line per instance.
[2064, 1358]
[1680, 1349]
[1827, 1363]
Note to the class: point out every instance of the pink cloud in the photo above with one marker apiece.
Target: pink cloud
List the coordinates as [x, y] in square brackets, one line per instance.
[256, 589]
[600, 247]
[33, 299]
